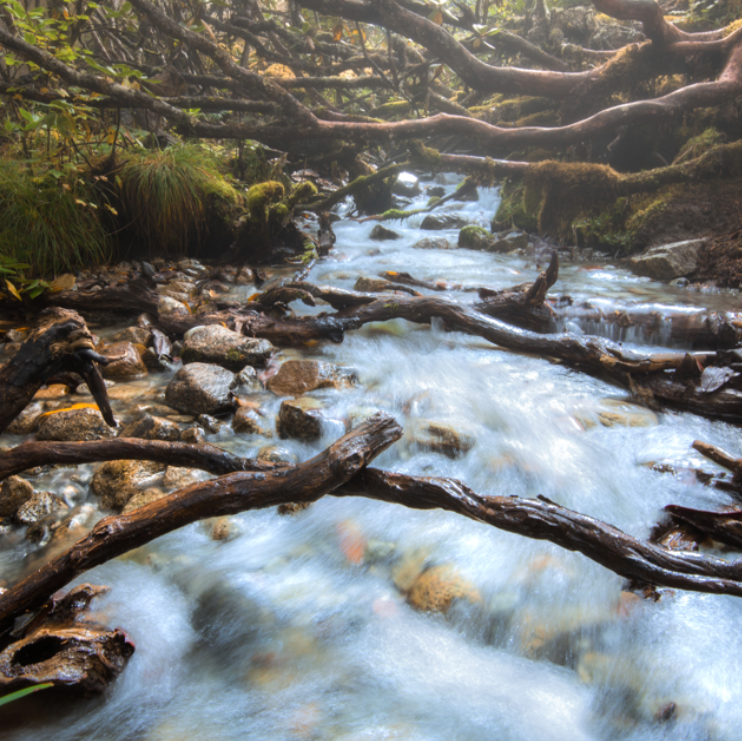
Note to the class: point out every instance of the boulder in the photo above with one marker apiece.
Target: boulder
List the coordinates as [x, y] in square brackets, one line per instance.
[135, 335]
[365, 284]
[25, 423]
[129, 366]
[435, 589]
[475, 238]
[201, 388]
[381, 233]
[38, 506]
[437, 191]
[248, 422]
[116, 482]
[669, 261]
[297, 377]
[73, 425]
[217, 344]
[147, 427]
[300, 419]
[14, 493]
[508, 241]
[442, 221]
[435, 243]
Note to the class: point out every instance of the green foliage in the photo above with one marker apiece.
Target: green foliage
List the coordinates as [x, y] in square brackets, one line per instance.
[49, 223]
[167, 197]
[22, 693]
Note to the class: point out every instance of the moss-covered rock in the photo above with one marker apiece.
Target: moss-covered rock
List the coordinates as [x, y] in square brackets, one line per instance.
[475, 238]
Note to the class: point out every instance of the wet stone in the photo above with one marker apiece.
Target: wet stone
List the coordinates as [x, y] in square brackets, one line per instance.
[381, 234]
[130, 365]
[475, 238]
[436, 243]
[26, 422]
[248, 381]
[507, 242]
[38, 506]
[436, 190]
[147, 427]
[74, 425]
[669, 261]
[54, 391]
[217, 344]
[201, 388]
[249, 422]
[116, 482]
[297, 377]
[300, 419]
[154, 362]
[176, 477]
[210, 424]
[436, 589]
[371, 285]
[442, 221]
[276, 454]
[134, 335]
[14, 493]
[224, 528]
[443, 438]
[193, 435]
[140, 498]
[168, 306]
[407, 185]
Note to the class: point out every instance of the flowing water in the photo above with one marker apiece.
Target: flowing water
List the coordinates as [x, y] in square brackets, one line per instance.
[300, 627]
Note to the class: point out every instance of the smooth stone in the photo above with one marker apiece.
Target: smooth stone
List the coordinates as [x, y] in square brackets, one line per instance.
[669, 261]
[248, 381]
[407, 185]
[147, 427]
[14, 493]
[193, 435]
[433, 243]
[249, 422]
[509, 242]
[130, 365]
[276, 454]
[74, 425]
[135, 335]
[176, 477]
[201, 388]
[365, 284]
[381, 234]
[438, 191]
[54, 391]
[224, 528]
[168, 306]
[300, 419]
[217, 344]
[442, 221]
[297, 377]
[140, 498]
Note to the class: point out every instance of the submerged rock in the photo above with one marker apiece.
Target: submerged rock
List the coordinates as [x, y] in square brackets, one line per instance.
[276, 454]
[248, 422]
[508, 241]
[442, 221]
[669, 261]
[26, 422]
[147, 427]
[475, 238]
[433, 243]
[217, 344]
[38, 506]
[381, 233]
[407, 185]
[439, 437]
[201, 388]
[73, 425]
[14, 493]
[134, 335]
[436, 589]
[300, 418]
[297, 377]
[116, 482]
[140, 498]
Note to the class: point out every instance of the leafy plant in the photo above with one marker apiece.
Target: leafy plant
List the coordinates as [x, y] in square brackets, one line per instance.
[22, 693]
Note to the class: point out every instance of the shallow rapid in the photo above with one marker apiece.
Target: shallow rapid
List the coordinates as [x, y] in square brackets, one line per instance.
[304, 626]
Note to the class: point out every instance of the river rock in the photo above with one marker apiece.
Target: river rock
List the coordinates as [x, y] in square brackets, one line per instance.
[442, 221]
[176, 477]
[73, 425]
[38, 506]
[14, 493]
[248, 381]
[297, 377]
[140, 498]
[436, 588]
[193, 435]
[210, 424]
[26, 422]
[434, 243]
[300, 418]
[248, 422]
[508, 241]
[116, 482]
[201, 388]
[168, 306]
[381, 234]
[407, 185]
[135, 335]
[439, 437]
[53, 391]
[217, 344]
[669, 261]
[244, 276]
[129, 366]
[364, 284]
[147, 427]
[473, 237]
[224, 528]
[276, 454]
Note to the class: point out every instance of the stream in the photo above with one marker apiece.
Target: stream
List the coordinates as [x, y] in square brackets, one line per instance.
[304, 627]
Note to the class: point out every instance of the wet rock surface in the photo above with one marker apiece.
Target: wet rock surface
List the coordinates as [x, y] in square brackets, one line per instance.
[217, 344]
[148, 427]
[129, 365]
[14, 492]
[300, 419]
[250, 422]
[669, 261]
[201, 388]
[73, 424]
[116, 482]
[434, 243]
[297, 377]
[442, 221]
[381, 234]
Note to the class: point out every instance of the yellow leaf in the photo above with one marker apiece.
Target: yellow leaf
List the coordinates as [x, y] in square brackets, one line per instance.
[13, 290]
[437, 17]
[63, 283]
[337, 32]
[391, 272]
[81, 405]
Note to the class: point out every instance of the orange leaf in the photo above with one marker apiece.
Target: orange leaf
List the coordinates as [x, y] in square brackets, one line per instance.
[437, 17]
[67, 409]
[337, 32]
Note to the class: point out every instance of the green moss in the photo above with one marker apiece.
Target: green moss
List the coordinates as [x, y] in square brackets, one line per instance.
[474, 237]
[397, 214]
[392, 109]
[261, 195]
[512, 211]
[422, 155]
[432, 200]
[301, 193]
[542, 118]
[698, 145]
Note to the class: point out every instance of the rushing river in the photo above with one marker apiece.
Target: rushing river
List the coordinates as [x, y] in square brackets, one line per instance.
[299, 628]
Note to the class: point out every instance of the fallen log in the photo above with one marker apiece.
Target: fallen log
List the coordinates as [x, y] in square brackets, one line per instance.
[229, 494]
[132, 297]
[725, 526]
[60, 344]
[57, 646]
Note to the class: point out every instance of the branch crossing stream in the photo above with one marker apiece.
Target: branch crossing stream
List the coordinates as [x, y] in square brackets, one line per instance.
[356, 620]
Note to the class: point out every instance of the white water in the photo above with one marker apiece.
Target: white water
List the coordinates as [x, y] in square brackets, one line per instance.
[278, 635]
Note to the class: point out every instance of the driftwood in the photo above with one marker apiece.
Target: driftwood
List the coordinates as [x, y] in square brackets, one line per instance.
[523, 305]
[54, 645]
[229, 494]
[60, 344]
[340, 471]
[725, 526]
[132, 297]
